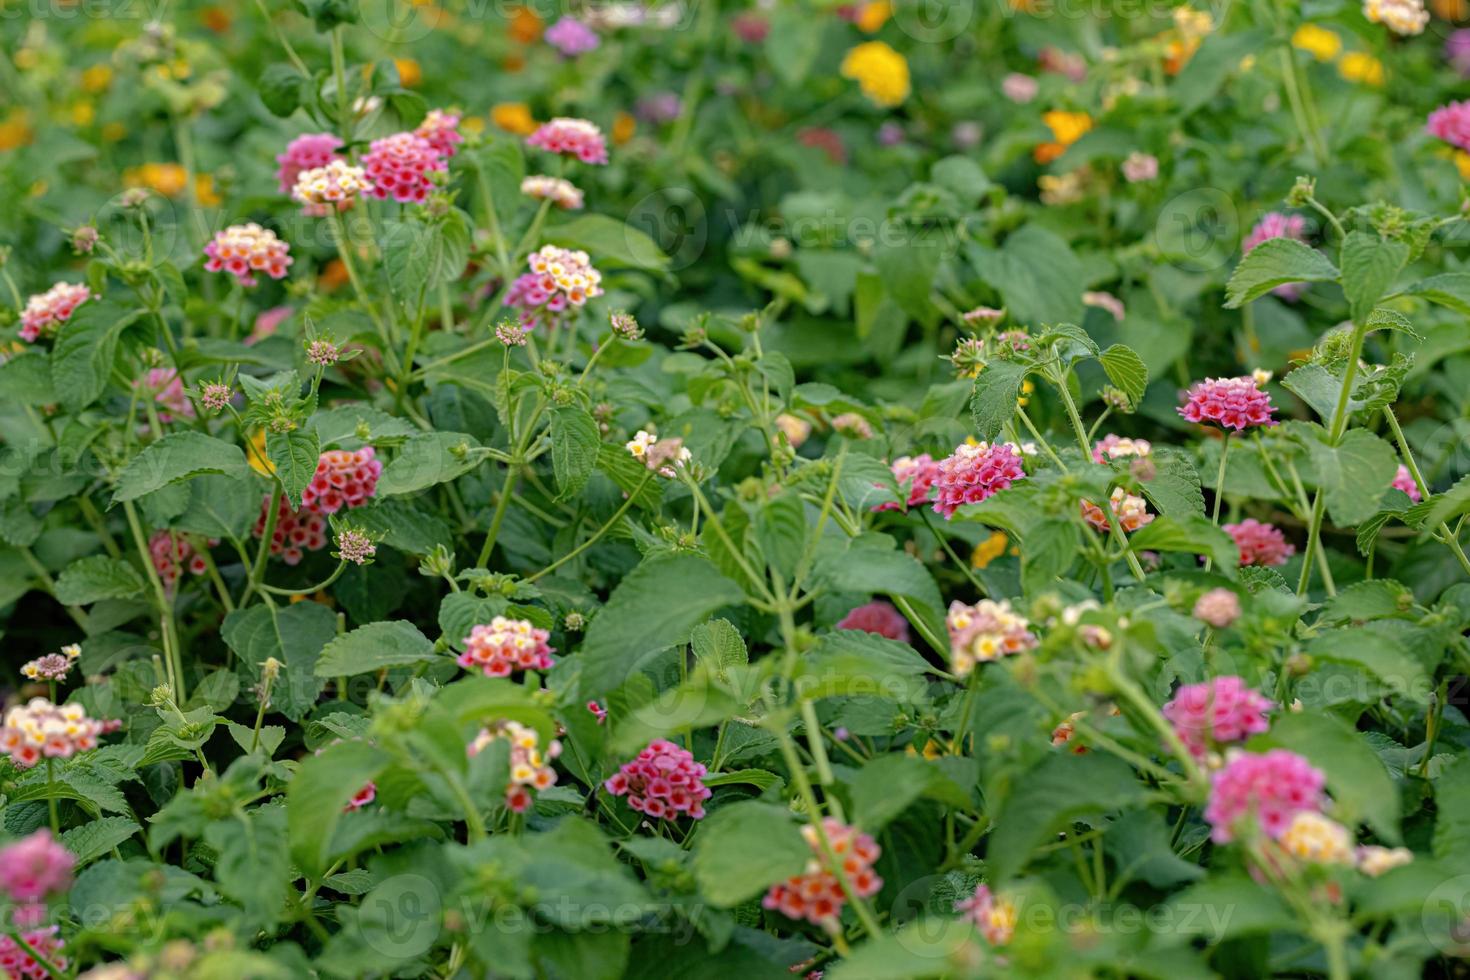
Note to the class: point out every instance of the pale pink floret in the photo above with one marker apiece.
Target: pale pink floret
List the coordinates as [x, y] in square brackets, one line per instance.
[973, 473]
[663, 782]
[34, 867]
[398, 166]
[1404, 480]
[1271, 787]
[343, 479]
[45, 312]
[1217, 712]
[572, 37]
[506, 645]
[336, 185]
[1113, 446]
[244, 250]
[1451, 123]
[41, 730]
[1235, 403]
[1260, 544]
[878, 617]
[441, 129]
[1217, 607]
[306, 152]
[816, 895]
[573, 137]
[994, 915]
[1130, 509]
[914, 476]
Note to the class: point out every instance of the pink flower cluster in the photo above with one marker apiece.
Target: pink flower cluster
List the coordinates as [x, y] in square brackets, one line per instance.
[1404, 480]
[1113, 446]
[1216, 712]
[1260, 544]
[334, 186]
[973, 473]
[34, 867]
[663, 782]
[52, 666]
[243, 250]
[816, 895]
[167, 390]
[16, 962]
[172, 553]
[343, 479]
[306, 152]
[984, 632]
[399, 166]
[572, 37]
[295, 533]
[1217, 607]
[1274, 224]
[559, 278]
[506, 645]
[878, 617]
[1271, 787]
[1130, 509]
[573, 137]
[1235, 403]
[362, 797]
[993, 915]
[40, 729]
[45, 312]
[563, 193]
[530, 768]
[915, 476]
[441, 129]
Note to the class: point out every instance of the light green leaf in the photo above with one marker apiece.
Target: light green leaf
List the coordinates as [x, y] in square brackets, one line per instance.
[294, 635]
[718, 644]
[1369, 266]
[88, 580]
[318, 793]
[1354, 474]
[574, 442]
[295, 454]
[609, 240]
[1126, 370]
[96, 837]
[427, 460]
[86, 346]
[1273, 263]
[175, 457]
[993, 403]
[743, 848]
[395, 643]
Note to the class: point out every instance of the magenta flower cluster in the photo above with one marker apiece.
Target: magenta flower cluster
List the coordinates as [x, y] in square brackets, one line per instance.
[878, 617]
[1271, 787]
[1235, 403]
[973, 473]
[1451, 123]
[1217, 712]
[915, 477]
[399, 166]
[663, 782]
[1260, 544]
[572, 137]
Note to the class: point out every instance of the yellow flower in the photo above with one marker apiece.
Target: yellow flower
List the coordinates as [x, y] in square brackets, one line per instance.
[881, 71]
[409, 72]
[871, 16]
[1359, 66]
[473, 124]
[114, 131]
[259, 461]
[168, 179]
[989, 550]
[1066, 129]
[204, 191]
[623, 128]
[82, 114]
[15, 130]
[513, 117]
[1462, 163]
[96, 79]
[1319, 42]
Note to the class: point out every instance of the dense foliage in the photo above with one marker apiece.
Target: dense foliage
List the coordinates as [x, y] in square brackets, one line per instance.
[714, 490]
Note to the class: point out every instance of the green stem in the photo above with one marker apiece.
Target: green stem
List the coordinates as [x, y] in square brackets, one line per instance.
[511, 478]
[607, 526]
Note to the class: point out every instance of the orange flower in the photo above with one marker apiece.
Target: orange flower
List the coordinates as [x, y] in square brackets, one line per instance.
[333, 275]
[96, 79]
[873, 15]
[525, 26]
[15, 130]
[623, 128]
[217, 19]
[513, 117]
[204, 191]
[513, 63]
[1066, 129]
[409, 72]
[168, 179]
[989, 550]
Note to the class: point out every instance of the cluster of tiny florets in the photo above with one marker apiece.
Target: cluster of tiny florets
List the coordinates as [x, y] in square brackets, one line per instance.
[307, 152]
[1235, 403]
[973, 473]
[40, 729]
[171, 553]
[1270, 787]
[663, 456]
[663, 782]
[336, 185]
[530, 767]
[1113, 446]
[244, 250]
[816, 895]
[45, 312]
[879, 617]
[355, 546]
[505, 645]
[1217, 712]
[994, 915]
[984, 632]
[1404, 17]
[558, 190]
[441, 130]
[295, 533]
[1404, 480]
[560, 278]
[343, 479]
[1130, 509]
[52, 666]
[1260, 544]
[573, 137]
[399, 166]
[915, 477]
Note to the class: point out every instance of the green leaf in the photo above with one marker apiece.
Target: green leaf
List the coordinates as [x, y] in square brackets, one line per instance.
[1231, 905]
[1379, 653]
[294, 635]
[718, 644]
[574, 441]
[1273, 263]
[655, 607]
[422, 255]
[1361, 787]
[609, 240]
[85, 349]
[1449, 289]
[178, 456]
[280, 89]
[1194, 535]
[96, 837]
[220, 506]
[744, 848]
[318, 793]
[250, 864]
[993, 403]
[1060, 789]
[1126, 370]
[1047, 552]
[1354, 474]
[295, 454]
[1452, 813]
[88, 580]
[1036, 273]
[1175, 489]
[961, 175]
[872, 563]
[780, 530]
[395, 643]
[428, 460]
[1205, 72]
[884, 788]
[1369, 266]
